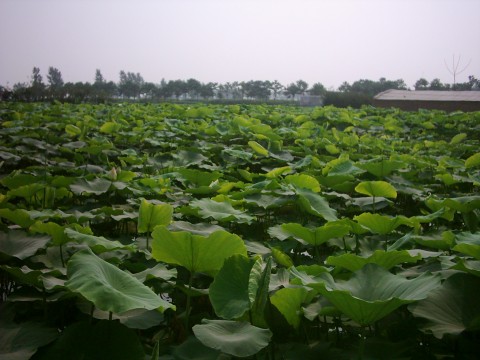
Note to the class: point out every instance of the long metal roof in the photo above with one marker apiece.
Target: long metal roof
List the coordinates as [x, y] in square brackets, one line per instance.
[428, 95]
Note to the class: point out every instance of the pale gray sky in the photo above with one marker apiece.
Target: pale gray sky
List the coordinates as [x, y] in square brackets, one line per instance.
[327, 41]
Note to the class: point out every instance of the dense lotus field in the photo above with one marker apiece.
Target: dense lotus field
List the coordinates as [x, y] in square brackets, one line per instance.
[140, 231]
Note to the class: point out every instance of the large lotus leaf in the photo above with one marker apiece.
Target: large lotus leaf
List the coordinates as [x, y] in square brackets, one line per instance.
[289, 302]
[98, 244]
[56, 231]
[151, 215]
[21, 341]
[186, 158]
[133, 319]
[451, 308]
[382, 168]
[19, 244]
[316, 205]
[472, 161]
[108, 287]
[195, 252]
[372, 292]
[380, 224]
[193, 349]
[468, 243]
[159, 271]
[203, 229]
[376, 188]
[469, 266]
[27, 191]
[385, 259]
[303, 181]
[281, 258]
[197, 177]
[231, 337]
[274, 173]
[102, 340]
[18, 216]
[259, 149]
[221, 211]
[266, 201]
[96, 186]
[229, 292]
[315, 237]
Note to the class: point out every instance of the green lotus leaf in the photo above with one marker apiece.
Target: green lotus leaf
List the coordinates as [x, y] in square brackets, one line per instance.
[315, 237]
[110, 127]
[452, 308]
[259, 149]
[289, 302]
[303, 181]
[159, 271]
[96, 186]
[382, 168]
[56, 231]
[221, 211]
[193, 349]
[376, 188]
[372, 292]
[231, 337]
[101, 340]
[195, 252]
[97, 243]
[108, 287]
[380, 224]
[18, 216]
[151, 215]
[472, 161]
[21, 245]
[203, 229]
[385, 259]
[468, 243]
[281, 258]
[266, 201]
[233, 290]
[274, 173]
[27, 191]
[457, 139]
[316, 205]
[21, 341]
[468, 266]
[73, 130]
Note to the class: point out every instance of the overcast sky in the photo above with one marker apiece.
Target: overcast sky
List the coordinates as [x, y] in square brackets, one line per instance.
[327, 41]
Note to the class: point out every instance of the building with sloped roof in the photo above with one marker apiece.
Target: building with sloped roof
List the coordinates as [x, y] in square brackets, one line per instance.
[429, 99]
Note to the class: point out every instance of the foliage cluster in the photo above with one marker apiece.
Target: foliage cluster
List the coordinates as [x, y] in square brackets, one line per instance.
[213, 232]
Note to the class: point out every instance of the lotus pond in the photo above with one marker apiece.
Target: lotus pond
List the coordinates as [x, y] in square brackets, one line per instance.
[166, 231]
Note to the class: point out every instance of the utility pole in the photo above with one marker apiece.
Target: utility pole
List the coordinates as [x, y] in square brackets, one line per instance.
[454, 69]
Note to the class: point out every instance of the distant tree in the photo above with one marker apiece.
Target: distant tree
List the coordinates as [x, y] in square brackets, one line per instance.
[207, 91]
[436, 84]
[276, 88]
[78, 92]
[193, 87]
[150, 90]
[345, 87]
[302, 86]
[257, 89]
[421, 84]
[22, 92]
[292, 90]
[99, 77]
[317, 89]
[37, 87]
[55, 82]
[130, 84]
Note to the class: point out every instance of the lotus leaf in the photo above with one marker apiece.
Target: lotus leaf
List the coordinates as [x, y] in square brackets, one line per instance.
[231, 337]
[108, 287]
[195, 252]
[372, 292]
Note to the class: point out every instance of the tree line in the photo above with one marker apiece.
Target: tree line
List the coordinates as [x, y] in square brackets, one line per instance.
[132, 86]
